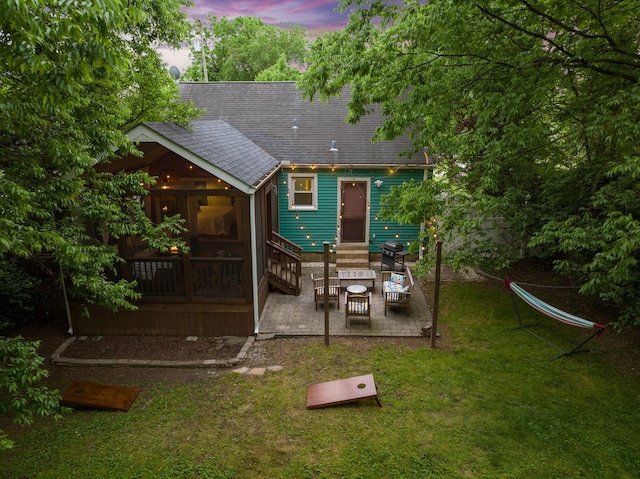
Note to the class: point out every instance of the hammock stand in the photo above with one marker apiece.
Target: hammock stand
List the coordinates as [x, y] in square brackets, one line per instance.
[554, 313]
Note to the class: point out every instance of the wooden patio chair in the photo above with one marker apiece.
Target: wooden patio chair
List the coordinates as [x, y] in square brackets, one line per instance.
[357, 305]
[318, 290]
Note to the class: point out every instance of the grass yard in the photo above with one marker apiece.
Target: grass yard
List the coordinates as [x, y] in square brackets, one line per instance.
[487, 403]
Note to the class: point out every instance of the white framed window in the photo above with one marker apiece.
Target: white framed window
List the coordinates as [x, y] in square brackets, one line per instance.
[303, 191]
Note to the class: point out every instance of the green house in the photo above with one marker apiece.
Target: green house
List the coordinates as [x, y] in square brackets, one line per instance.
[331, 174]
[262, 179]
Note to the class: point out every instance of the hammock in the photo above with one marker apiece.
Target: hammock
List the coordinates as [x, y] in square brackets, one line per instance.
[554, 313]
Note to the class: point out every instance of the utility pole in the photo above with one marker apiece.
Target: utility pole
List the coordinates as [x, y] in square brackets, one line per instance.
[205, 75]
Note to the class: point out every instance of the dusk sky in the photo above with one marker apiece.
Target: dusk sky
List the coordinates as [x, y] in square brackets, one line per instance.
[310, 14]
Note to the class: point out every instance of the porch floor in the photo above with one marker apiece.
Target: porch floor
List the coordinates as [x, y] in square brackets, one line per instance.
[288, 315]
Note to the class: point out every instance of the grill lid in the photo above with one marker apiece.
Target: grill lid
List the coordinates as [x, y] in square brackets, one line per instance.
[393, 245]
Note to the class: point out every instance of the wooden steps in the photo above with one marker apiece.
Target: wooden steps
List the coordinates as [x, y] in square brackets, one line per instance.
[284, 278]
[352, 256]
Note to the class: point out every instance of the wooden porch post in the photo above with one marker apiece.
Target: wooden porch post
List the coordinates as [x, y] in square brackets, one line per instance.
[436, 295]
[326, 292]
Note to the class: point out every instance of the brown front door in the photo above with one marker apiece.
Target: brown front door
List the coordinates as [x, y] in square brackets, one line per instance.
[353, 211]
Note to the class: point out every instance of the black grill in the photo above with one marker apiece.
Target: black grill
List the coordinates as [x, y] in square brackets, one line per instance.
[393, 246]
[392, 255]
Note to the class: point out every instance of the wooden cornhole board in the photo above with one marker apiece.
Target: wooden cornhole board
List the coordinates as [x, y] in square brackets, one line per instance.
[342, 391]
[99, 395]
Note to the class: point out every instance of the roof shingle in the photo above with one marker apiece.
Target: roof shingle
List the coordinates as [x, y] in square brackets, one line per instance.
[265, 112]
[221, 145]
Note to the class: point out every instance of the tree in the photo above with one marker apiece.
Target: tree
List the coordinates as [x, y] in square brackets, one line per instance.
[242, 48]
[280, 71]
[74, 77]
[530, 109]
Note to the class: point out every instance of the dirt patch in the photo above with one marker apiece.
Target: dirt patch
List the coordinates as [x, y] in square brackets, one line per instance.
[153, 348]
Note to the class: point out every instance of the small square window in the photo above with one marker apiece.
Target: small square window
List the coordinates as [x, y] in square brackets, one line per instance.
[303, 192]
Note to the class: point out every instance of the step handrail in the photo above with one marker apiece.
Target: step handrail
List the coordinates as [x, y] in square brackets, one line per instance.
[280, 240]
[284, 250]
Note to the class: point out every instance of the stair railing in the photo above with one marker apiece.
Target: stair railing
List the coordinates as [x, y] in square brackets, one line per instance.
[285, 261]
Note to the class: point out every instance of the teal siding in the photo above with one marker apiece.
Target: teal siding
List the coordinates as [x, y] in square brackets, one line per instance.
[321, 225]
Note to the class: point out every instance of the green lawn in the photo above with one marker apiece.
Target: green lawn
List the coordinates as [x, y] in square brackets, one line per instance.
[488, 403]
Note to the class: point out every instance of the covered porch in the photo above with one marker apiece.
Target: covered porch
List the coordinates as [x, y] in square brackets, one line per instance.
[286, 315]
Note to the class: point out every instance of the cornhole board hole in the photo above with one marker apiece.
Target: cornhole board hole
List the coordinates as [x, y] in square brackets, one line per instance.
[342, 391]
[99, 395]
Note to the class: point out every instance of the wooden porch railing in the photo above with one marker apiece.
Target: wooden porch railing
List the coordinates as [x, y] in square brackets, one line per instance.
[158, 276]
[218, 277]
[284, 264]
[210, 277]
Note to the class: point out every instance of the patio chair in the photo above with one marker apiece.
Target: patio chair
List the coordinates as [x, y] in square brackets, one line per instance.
[318, 290]
[357, 305]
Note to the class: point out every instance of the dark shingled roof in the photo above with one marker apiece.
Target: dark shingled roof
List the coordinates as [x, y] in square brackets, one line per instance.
[265, 111]
[221, 145]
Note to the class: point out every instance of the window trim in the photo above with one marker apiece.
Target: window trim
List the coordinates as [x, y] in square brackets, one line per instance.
[314, 192]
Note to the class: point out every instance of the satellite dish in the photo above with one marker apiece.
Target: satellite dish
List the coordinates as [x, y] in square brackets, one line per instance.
[174, 72]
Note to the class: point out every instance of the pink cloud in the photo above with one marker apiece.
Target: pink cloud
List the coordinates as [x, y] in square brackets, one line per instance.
[311, 15]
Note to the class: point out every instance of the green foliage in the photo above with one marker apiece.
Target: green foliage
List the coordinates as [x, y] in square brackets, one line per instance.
[75, 77]
[530, 110]
[17, 294]
[242, 48]
[20, 372]
[280, 71]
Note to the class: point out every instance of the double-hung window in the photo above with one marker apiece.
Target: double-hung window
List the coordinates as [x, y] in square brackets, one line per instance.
[303, 191]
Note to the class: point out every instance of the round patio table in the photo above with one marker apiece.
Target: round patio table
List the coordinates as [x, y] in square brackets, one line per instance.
[357, 288]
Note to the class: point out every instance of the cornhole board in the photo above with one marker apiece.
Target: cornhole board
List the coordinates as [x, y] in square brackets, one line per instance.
[99, 395]
[342, 391]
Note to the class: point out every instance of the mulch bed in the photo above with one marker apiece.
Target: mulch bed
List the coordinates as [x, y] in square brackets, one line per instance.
[164, 348]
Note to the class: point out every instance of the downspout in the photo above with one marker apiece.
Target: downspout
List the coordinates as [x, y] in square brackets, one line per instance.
[254, 262]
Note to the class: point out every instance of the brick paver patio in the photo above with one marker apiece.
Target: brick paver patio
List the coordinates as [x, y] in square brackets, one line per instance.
[286, 315]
